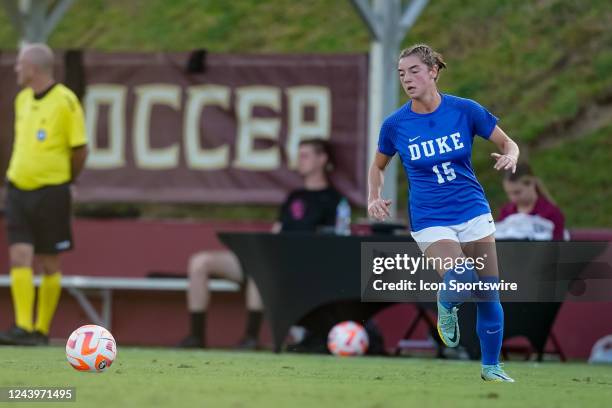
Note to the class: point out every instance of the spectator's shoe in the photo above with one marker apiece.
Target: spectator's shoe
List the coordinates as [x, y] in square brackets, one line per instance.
[495, 373]
[448, 325]
[191, 342]
[17, 336]
[40, 339]
[247, 343]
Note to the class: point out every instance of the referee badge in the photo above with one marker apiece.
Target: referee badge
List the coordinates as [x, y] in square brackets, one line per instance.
[41, 135]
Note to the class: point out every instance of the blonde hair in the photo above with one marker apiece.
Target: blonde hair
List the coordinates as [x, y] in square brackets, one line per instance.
[427, 55]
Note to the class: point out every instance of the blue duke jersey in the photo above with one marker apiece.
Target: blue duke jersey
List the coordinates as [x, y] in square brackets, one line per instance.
[436, 149]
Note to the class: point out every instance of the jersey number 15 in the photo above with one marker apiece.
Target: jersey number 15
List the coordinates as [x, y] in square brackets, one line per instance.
[448, 172]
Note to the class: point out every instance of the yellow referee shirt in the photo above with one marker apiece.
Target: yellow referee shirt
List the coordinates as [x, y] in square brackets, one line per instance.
[46, 130]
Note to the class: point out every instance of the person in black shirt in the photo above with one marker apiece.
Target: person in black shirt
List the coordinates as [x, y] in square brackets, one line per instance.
[306, 209]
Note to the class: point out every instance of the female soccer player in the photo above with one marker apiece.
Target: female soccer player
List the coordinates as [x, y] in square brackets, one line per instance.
[450, 217]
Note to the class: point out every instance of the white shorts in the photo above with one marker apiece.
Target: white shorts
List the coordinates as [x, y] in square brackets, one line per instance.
[471, 230]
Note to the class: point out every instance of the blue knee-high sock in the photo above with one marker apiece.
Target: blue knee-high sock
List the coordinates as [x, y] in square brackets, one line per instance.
[489, 323]
[464, 274]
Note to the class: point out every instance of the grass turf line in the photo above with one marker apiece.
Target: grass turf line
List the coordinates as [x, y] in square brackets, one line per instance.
[163, 377]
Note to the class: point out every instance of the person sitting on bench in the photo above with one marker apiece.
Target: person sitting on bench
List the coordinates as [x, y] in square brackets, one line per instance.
[305, 209]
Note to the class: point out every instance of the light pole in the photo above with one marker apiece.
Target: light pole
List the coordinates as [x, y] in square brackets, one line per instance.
[388, 22]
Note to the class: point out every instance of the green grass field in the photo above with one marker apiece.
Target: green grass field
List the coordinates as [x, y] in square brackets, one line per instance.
[162, 377]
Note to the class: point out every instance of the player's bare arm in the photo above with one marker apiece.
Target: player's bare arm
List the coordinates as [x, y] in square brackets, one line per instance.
[510, 150]
[79, 155]
[378, 207]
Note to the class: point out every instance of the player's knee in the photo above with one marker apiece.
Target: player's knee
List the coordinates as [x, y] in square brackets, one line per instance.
[18, 262]
[254, 302]
[20, 259]
[49, 269]
[50, 264]
[199, 265]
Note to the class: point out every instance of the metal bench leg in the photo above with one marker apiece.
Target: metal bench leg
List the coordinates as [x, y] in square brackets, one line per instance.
[107, 307]
[91, 312]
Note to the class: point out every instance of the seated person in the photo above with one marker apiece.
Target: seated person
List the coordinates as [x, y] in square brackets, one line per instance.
[305, 209]
[531, 213]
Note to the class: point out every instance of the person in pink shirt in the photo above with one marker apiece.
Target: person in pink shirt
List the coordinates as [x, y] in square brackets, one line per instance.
[531, 213]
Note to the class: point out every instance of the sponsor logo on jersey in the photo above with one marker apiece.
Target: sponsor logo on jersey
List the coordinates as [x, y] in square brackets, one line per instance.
[41, 135]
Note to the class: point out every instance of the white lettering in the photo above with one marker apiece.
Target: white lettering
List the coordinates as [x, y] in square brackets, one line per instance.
[433, 286]
[148, 96]
[113, 156]
[456, 140]
[378, 269]
[431, 151]
[308, 115]
[199, 97]
[299, 98]
[415, 153]
[442, 146]
[403, 284]
[249, 128]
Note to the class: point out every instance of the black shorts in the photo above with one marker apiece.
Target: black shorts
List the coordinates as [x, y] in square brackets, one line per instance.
[40, 217]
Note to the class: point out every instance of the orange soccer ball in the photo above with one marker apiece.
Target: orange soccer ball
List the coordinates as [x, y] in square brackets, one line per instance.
[91, 348]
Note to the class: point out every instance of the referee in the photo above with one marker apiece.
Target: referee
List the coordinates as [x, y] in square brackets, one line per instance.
[49, 151]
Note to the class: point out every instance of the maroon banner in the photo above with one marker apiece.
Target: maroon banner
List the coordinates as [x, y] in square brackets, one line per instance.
[228, 134]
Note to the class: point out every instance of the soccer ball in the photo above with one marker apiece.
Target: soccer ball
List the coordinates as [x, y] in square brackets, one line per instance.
[91, 348]
[348, 339]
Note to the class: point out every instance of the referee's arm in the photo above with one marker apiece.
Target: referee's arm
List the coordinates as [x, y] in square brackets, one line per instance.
[77, 137]
[79, 155]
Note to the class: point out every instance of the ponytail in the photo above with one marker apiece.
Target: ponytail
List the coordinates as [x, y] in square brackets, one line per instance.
[542, 190]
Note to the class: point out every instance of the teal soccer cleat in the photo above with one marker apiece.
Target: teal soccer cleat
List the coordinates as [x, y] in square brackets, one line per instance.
[448, 325]
[495, 373]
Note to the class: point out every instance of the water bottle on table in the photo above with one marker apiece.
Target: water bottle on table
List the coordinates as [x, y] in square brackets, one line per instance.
[343, 218]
